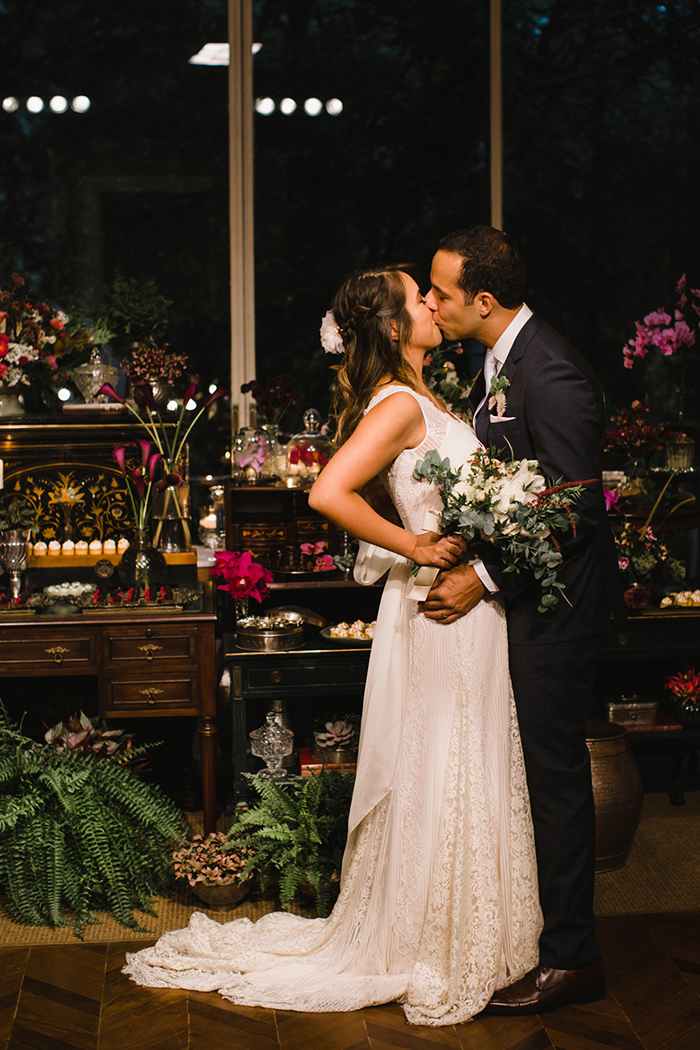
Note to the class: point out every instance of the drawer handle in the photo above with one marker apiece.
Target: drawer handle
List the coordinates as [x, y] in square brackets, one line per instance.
[276, 677]
[150, 650]
[57, 652]
[150, 694]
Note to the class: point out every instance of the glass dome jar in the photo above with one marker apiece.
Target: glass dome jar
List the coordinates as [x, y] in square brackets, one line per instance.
[249, 452]
[307, 453]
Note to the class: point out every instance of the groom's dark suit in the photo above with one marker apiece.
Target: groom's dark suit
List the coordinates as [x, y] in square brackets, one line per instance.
[554, 413]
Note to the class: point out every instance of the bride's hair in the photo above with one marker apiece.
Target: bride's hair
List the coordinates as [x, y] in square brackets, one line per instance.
[364, 307]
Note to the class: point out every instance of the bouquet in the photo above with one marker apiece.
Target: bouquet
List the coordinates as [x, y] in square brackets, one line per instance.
[509, 506]
[440, 374]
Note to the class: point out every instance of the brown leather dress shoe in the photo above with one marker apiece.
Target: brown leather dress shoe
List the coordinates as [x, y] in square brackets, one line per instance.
[545, 989]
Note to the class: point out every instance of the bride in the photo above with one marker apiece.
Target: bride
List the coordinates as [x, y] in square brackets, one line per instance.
[438, 905]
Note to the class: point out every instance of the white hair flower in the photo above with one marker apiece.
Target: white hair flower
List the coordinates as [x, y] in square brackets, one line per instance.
[331, 339]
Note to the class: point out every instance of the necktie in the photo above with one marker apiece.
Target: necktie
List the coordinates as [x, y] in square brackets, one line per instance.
[490, 369]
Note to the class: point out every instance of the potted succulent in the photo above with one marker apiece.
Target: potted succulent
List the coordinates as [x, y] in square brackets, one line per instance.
[297, 831]
[215, 868]
[336, 738]
[18, 515]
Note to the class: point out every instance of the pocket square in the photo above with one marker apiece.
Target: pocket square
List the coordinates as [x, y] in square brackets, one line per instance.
[501, 419]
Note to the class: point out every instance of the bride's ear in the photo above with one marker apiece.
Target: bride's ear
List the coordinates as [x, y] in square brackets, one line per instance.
[395, 331]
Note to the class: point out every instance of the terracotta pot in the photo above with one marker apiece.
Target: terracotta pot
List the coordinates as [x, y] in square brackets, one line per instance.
[617, 792]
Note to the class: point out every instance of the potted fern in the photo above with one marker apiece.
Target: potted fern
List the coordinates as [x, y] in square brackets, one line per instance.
[79, 834]
[297, 831]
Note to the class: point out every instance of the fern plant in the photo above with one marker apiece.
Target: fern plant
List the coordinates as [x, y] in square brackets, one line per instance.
[297, 830]
[79, 834]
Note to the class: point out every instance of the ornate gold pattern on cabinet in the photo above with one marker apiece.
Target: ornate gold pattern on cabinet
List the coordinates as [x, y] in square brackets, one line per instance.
[75, 501]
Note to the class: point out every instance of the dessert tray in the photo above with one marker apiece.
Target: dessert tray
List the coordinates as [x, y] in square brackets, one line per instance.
[358, 633]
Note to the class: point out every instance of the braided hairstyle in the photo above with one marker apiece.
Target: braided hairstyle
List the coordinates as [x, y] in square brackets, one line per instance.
[364, 307]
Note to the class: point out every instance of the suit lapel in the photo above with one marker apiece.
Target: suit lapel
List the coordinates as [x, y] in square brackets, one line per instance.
[509, 370]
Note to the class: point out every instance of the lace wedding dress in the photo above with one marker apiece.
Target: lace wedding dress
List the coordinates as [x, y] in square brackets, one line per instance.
[439, 904]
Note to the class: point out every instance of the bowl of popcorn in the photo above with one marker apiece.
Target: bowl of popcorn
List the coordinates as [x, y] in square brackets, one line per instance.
[358, 633]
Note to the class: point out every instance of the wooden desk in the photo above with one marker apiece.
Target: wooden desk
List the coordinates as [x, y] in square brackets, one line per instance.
[147, 665]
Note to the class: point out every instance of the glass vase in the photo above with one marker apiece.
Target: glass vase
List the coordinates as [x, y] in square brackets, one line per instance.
[171, 511]
[275, 465]
[142, 565]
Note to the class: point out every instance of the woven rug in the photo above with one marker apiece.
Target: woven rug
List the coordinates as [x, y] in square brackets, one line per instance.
[662, 874]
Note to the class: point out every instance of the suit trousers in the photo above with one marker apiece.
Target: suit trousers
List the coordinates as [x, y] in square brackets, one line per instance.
[553, 687]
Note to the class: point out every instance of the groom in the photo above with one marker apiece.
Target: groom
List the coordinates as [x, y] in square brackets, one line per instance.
[553, 413]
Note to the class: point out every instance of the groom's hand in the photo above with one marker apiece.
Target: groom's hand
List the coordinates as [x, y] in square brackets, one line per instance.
[453, 594]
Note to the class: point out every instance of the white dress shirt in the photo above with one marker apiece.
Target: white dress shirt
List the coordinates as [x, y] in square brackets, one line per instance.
[500, 350]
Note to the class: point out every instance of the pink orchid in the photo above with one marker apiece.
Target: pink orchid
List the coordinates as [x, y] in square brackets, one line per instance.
[244, 577]
[313, 548]
[324, 563]
[612, 498]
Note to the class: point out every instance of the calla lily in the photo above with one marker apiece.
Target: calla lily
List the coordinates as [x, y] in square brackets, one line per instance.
[119, 454]
[152, 464]
[170, 481]
[146, 391]
[109, 391]
[139, 484]
[191, 389]
[145, 451]
[217, 393]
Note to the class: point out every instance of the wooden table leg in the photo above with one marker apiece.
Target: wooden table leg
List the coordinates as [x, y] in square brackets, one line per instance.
[207, 732]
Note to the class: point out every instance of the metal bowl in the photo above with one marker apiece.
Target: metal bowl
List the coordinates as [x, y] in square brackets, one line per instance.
[267, 634]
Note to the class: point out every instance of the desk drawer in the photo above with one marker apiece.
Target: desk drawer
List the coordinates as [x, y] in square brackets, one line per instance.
[307, 676]
[176, 695]
[152, 645]
[24, 653]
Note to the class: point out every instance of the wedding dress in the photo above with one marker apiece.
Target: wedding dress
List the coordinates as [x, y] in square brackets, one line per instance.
[439, 904]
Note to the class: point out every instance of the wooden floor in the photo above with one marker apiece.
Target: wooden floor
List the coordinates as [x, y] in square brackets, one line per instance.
[76, 997]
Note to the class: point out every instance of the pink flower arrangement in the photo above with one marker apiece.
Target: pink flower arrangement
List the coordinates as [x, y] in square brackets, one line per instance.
[670, 334]
[244, 577]
[322, 562]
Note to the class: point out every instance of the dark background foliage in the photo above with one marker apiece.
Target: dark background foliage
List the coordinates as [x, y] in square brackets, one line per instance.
[601, 160]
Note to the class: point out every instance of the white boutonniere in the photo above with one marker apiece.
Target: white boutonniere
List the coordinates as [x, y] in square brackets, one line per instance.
[497, 390]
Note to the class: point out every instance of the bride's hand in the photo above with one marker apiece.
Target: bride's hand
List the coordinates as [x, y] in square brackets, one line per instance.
[440, 551]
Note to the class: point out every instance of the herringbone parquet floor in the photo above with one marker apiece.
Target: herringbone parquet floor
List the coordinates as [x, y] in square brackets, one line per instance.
[76, 998]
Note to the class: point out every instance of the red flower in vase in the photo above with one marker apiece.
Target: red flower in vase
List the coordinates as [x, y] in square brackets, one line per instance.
[244, 577]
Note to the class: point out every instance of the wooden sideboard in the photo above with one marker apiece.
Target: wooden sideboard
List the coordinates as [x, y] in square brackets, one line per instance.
[154, 665]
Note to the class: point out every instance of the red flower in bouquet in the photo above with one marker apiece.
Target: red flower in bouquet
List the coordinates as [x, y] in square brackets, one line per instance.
[244, 577]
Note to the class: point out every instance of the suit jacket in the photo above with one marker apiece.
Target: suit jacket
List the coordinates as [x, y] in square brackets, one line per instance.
[555, 414]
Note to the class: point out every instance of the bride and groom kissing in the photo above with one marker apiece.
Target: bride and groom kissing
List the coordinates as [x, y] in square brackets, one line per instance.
[468, 873]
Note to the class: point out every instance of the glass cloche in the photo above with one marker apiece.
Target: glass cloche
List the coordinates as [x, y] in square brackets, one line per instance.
[308, 452]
